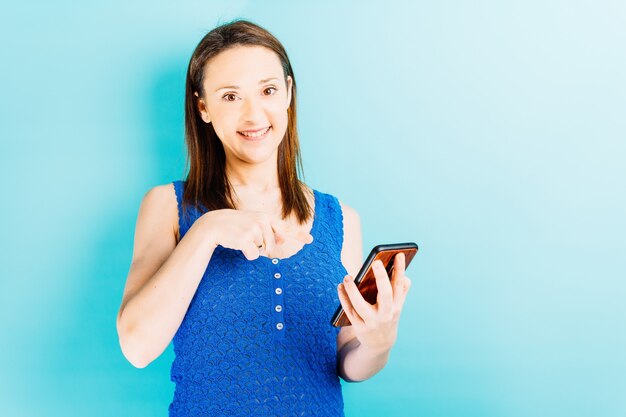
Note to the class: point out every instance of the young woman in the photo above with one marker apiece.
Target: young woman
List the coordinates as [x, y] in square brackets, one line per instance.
[242, 265]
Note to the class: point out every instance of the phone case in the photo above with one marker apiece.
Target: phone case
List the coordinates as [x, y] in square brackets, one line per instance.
[366, 280]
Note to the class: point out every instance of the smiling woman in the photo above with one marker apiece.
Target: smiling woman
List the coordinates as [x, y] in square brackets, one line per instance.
[231, 109]
[240, 264]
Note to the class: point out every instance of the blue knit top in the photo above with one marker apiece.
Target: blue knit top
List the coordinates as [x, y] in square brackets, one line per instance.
[256, 339]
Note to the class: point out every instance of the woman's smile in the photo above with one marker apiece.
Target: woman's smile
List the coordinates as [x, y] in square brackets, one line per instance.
[255, 136]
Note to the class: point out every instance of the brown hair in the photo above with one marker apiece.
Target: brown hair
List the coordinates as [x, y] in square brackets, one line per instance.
[207, 184]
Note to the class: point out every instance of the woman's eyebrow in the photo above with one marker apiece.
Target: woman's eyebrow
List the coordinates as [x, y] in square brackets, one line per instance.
[236, 86]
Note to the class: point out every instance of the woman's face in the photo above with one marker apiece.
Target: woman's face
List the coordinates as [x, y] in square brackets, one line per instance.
[244, 90]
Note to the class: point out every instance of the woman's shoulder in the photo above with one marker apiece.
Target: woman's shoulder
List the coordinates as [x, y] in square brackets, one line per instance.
[161, 200]
[347, 210]
[163, 195]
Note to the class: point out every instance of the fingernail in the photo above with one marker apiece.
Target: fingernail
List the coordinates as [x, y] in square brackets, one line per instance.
[346, 279]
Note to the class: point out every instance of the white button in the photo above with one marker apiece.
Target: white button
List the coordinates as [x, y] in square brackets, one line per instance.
[274, 261]
[279, 291]
[279, 308]
[279, 326]
[277, 275]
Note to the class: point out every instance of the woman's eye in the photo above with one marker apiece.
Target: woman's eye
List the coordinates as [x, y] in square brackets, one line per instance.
[226, 96]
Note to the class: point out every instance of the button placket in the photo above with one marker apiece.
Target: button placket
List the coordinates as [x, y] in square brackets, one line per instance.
[277, 300]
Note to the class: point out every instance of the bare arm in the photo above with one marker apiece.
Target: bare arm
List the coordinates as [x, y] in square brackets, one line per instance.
[355, 363]
[162, 279]
[363, 348]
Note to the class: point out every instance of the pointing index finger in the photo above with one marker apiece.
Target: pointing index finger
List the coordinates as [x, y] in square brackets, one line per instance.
[285, 229]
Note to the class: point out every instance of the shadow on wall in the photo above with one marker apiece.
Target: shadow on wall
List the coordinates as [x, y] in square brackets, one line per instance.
[88, 355]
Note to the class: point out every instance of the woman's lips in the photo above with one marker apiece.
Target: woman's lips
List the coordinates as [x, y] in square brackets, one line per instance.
[256, 137]
[254, 130]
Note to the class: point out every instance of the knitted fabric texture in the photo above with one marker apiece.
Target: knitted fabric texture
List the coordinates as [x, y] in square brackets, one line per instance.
[256, 339]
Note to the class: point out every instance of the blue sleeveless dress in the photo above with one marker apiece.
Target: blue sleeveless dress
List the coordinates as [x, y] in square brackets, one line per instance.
[256, 339]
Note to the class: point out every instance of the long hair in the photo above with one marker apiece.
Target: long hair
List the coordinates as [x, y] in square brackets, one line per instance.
[207, 184]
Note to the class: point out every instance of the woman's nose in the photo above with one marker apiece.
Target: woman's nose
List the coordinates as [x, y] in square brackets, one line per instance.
[252, 108]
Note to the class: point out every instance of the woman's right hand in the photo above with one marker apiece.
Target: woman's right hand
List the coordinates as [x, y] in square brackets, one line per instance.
[247, 230]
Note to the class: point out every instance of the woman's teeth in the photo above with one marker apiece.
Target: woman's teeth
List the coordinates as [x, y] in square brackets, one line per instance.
[256, 134]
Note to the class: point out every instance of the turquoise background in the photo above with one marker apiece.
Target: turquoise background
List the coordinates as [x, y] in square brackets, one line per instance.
[491, 133]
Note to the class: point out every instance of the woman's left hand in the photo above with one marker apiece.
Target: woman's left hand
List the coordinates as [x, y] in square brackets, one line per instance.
[376, 326]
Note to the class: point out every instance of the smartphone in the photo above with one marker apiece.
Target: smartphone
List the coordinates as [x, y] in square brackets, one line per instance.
[365, 280]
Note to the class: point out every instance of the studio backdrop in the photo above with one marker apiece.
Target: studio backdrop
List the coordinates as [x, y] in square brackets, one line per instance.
[491, 133]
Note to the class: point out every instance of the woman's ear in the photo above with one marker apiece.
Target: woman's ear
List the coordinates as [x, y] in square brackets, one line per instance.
[204, 113]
